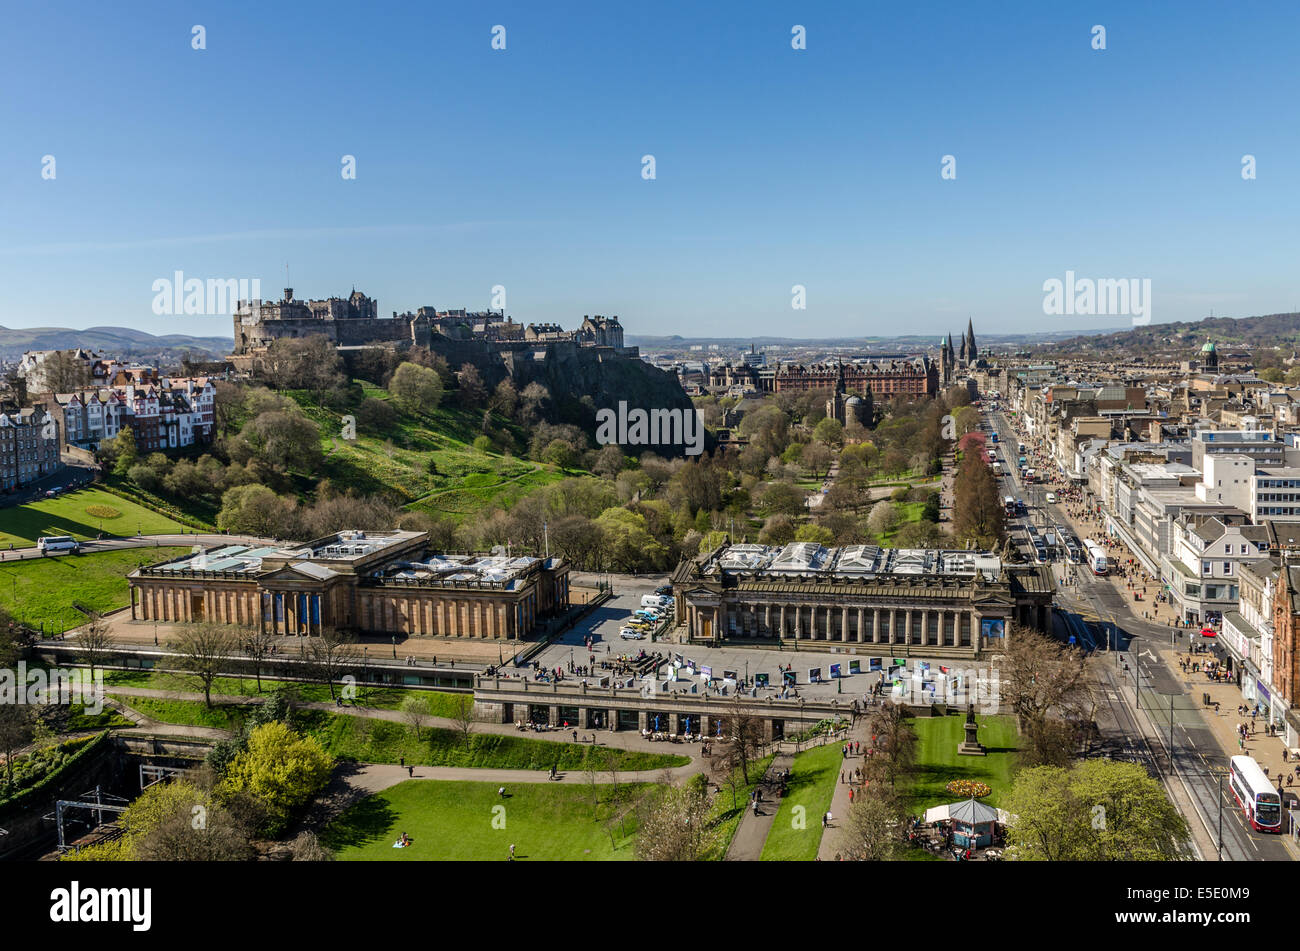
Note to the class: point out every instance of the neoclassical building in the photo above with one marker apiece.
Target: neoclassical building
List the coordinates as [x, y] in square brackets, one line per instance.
[873, 600]
[362, 582]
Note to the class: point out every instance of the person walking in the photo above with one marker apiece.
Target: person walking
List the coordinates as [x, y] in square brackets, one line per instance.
[512, 851]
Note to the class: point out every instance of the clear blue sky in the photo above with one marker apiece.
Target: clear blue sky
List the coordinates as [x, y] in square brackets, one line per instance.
[522, 167]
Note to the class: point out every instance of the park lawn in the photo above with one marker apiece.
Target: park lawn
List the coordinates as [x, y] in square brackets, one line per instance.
[371, 740]
[454, 821]
[442, 703]
[813, 776]
[728, 811]
[67, 515]
[43, 591]
[938, 763]
[186, 712]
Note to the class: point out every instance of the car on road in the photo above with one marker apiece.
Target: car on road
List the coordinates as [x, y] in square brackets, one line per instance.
[57, 544]
[1050, 497]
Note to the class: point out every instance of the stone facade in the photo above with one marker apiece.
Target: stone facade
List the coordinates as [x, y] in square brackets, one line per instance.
[877, 601]
[367, 583]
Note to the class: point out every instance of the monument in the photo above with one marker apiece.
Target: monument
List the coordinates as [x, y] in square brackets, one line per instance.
[971, 745]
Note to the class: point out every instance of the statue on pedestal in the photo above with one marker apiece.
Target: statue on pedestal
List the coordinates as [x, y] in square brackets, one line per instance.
[971, 745]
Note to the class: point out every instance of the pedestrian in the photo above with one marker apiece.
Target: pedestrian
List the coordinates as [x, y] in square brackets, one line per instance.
[512, 851]
[401, 761]
[410, 772]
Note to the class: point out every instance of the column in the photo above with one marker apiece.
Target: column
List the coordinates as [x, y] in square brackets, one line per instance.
[907, 626]
[782, 621]
[844, 625]
[611, 720]
[875, 625]
[862, 615]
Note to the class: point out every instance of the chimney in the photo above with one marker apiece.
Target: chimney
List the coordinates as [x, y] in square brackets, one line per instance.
[288, 293]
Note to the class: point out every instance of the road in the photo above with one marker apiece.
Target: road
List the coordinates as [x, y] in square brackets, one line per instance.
[1140, 715]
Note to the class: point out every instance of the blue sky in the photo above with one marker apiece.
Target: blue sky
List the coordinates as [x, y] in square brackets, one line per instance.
[774, 167]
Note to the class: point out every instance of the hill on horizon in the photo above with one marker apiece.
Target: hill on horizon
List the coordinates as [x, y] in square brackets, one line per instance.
[114, 341]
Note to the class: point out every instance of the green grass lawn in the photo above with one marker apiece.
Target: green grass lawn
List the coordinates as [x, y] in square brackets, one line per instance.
[186, 712]
[442, 704]
[937, 761]
[67, 515]
[384, 741]
[461, 821]
[813, 776]
[43, 590]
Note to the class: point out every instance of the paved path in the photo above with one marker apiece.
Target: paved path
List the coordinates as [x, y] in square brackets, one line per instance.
[834, 838]
[751, 834]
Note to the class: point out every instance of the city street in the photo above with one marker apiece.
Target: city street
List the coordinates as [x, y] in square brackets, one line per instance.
[1130, 647]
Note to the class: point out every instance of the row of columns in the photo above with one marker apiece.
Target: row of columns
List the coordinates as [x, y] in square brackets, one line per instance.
[936, 627]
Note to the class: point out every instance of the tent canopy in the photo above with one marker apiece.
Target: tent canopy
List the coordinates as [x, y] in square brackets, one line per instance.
[972, 812]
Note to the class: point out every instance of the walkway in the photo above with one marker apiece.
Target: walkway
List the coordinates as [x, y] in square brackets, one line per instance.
[747, 844]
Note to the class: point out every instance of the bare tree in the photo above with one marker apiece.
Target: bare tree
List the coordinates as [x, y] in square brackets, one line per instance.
[307, 848]
[331, 655]
[258, 647]
[893, 743]
[744, 737]
[206, 651]
[874, 830]
[1051, 688]
[415, 711]
[94, 643]
[464, 717]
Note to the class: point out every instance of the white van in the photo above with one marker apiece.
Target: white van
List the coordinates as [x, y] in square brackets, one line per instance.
[54, 544]
[655, 601]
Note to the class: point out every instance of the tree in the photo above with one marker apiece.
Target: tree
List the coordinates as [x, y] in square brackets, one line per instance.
[258, 646]
[284, 440]
[829, 432]
[376, 416]
[415, 711]
[875, 823]
[744, 737]
[463, 717]
[1098, 810]
[175, 821]
[893, 743]
[673, 826]
[1049, 687]
[628, 544]
[471, 392]
[330, 655]
[817, 458]
[814, 533]
[282, 769]
[124, 451]
[94, 643]
[884, 518]
[206, 650]
[978, 512]
[255, 510]
[417, 389]
[17, 725]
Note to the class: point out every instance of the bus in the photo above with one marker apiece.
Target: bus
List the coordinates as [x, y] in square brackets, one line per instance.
[1009, 506]
[1096, 557]
[1258, 798]
[997, 468]
[994, 436]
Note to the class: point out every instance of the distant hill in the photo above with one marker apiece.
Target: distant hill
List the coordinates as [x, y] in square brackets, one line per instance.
[112, 341]
[902, 342]
[1182, 337]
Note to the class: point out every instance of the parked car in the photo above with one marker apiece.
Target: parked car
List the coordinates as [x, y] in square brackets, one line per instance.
[631, 633]
[1050, 497]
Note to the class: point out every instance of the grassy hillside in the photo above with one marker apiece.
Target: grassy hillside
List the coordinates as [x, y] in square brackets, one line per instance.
[462, 479]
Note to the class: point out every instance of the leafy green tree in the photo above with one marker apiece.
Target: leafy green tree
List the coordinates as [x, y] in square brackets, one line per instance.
[281, 769]
[416, 389]
[829, 432]
[814, 533]
[124, 450]
[1097, 810]
[629, 546]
